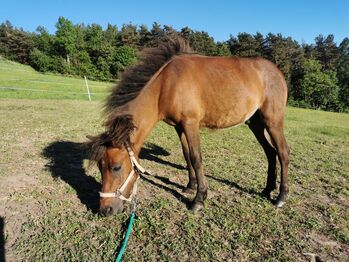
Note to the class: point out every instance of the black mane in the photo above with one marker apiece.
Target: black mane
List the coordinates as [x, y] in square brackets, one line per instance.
[117, 135]
[135, 78]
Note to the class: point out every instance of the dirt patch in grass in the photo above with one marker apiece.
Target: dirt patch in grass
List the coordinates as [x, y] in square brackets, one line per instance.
[15, 208]
[321, 243]
[18, 169]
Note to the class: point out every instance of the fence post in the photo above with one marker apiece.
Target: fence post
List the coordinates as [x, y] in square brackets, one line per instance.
[88, 90]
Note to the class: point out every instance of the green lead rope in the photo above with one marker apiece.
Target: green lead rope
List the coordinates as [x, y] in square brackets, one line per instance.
[128, 232]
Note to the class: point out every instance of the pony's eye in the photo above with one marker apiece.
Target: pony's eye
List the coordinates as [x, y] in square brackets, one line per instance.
[115, 168]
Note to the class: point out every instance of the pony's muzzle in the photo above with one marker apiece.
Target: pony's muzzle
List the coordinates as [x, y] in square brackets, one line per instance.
[107, 211]
[113, 207]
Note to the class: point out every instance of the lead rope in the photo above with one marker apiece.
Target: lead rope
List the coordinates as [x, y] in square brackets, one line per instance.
[139, 168]
[128, 232]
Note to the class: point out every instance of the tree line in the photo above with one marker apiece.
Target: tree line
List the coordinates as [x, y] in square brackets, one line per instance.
[317, 74]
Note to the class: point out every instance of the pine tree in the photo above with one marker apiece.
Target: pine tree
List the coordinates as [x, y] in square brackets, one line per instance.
[129, 35]
[343, 73]
[15, 44]
[245, 45]
[326, 52]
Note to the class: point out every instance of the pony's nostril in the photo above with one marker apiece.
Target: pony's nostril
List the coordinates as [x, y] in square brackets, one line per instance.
[109, 211]
[106, 211]
[102, 212]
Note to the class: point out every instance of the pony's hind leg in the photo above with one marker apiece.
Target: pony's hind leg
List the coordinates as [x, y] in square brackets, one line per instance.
[192, 178]
[257, 126]
[275, 127]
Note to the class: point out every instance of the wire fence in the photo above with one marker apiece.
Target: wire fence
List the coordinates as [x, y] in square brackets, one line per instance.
[52, 91]
[88, 92]
[50, 82]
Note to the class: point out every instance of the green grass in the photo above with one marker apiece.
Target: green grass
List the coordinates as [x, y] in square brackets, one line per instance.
[40, 140]
[48, 196]
[22, 81]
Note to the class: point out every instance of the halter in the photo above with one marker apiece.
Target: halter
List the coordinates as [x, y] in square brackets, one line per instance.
[135, 167]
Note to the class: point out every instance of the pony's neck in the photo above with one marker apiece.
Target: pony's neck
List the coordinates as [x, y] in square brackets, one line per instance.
[144, 109]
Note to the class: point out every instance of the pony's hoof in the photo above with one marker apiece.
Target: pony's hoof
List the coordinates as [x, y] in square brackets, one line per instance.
[280, 201]
[266, 194]
[189, 190]
[196, 207]
[279, 204]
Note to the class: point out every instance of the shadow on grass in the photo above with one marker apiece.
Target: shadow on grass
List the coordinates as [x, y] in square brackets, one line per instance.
[167, 181]
[66, 162]
[2, 240]
[152, 152]
[174, 192]
[235, 185]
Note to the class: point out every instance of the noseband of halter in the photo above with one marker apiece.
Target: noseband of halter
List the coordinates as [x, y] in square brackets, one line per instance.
[136, 167]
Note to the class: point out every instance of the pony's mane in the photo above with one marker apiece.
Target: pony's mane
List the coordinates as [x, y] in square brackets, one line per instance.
[116, 135]
[136, 77]
[119, 125]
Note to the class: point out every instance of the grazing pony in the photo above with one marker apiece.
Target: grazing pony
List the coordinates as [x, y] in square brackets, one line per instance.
[188, 91]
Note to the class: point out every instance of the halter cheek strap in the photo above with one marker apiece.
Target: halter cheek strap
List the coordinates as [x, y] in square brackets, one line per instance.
[119, 192]
[134, 161]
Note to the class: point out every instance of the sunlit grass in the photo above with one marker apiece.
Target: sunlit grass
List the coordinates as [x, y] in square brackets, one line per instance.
[22, 81]
[237, 223]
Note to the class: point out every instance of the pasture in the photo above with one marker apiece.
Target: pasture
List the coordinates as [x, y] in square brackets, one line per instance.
[22, 81]
[49, 198]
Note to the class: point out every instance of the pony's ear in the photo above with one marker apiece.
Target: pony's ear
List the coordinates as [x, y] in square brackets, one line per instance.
[96, 146]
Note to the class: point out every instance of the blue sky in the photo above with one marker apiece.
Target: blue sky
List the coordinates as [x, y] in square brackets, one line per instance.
[303, 20]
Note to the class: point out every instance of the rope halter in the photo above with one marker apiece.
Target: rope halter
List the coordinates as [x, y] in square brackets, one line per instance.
[136, 167]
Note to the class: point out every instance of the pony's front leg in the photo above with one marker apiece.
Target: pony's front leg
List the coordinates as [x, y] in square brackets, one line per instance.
[191, 131]
[192, 177]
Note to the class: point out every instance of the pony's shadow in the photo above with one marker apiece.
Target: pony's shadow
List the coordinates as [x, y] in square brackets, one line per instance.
[66, 162]
[234, 185]
[174, 192]
[152, 152]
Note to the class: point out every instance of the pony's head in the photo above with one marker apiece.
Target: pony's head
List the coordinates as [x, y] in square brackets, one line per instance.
[109, 150]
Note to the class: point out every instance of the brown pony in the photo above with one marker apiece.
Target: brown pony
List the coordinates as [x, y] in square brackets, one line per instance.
[190, 91]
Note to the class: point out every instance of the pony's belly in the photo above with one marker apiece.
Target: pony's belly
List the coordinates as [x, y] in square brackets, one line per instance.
[220, 123]
[227, 118]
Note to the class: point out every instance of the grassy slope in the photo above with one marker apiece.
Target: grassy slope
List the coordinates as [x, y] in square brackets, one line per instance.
[48, 196]
[46, 86]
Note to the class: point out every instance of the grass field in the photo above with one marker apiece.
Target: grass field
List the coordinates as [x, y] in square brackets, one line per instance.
[48, 198]
[21, 81]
